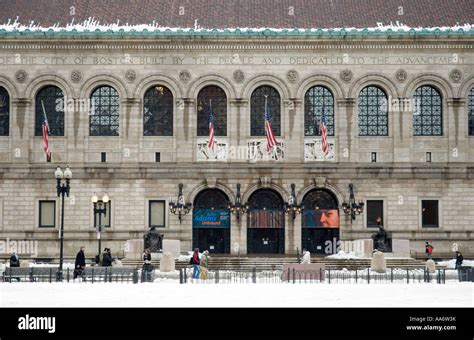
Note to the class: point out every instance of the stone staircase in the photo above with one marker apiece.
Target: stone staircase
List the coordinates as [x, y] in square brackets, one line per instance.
[269, 262]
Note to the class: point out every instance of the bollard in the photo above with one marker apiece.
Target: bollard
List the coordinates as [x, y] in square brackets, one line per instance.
[50, 274]
[92, 275]
[320, 275]
[329, 275]
[368, 275]
[181, 276]
[216, 278]
[356, 274]
[67, 276]
[408, 276]
[294, 272]
[135, 276]
[391, 274]
[254, 275]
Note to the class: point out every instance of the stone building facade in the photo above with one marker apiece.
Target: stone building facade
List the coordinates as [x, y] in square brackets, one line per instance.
[396, 167]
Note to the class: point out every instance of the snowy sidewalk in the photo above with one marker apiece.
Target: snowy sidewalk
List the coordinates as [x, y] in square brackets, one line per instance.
[235, 295]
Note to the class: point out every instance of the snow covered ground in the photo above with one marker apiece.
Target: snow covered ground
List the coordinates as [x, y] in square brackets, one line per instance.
[235, 295]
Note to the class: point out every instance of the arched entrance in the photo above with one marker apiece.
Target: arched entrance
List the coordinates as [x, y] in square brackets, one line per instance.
[320, 222]
[265, 223]
[211, 221]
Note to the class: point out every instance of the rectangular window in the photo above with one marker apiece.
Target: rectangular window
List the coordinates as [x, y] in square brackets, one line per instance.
[104, 219]
[103, 157]
[47, 213]
[157, 157]
[374, 213]
[429, 214]
[156, 214]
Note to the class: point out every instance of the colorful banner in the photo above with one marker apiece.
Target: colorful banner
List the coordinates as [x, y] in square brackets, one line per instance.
[324, 218]
[208, 218]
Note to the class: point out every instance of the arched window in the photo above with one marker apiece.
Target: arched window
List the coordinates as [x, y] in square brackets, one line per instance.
[4, 112]
[105, 112]
[372, 112]
[470, 111]
[257, 111]
[427, 114]
[317, 100]
[51, 98]
[158, 112]
[217, 96]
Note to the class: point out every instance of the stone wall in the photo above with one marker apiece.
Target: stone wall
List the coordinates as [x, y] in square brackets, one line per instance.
[401, 177]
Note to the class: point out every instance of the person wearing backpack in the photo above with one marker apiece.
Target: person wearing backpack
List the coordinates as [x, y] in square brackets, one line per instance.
[195, 262]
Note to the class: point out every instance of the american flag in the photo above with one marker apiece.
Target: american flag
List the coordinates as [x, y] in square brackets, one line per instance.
[324, 134]
[45, 133]
[271, 140]
[210, 144]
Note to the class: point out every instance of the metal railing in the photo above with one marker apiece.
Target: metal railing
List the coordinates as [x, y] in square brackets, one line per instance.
[292, 276]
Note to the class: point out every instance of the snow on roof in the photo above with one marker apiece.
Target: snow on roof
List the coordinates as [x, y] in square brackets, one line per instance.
[93, 26]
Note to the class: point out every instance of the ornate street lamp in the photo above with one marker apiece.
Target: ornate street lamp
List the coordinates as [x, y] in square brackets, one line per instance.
[291, 207]
[62, 190]
[100, 207]
[238, 208]
[352, 208]
[181, 207]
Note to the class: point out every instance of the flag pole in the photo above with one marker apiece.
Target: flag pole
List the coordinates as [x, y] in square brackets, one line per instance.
[44, 112]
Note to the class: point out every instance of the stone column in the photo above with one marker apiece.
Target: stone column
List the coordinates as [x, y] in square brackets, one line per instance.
[345, 130]
[132, 128]
[186, 131]
[293, 132]
[21, 130]
[234, 126]
[456, 130]
[402, 130]
[77, 129]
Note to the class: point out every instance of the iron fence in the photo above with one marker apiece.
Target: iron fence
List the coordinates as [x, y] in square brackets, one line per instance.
[293, 276]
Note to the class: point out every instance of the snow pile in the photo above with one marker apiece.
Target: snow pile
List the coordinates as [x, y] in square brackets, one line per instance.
[342, 255]
[234, 295]
[92, 25]
[451, 264]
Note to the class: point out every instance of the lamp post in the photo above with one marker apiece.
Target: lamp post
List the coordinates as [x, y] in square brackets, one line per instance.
[62, 190]
[352, 208]
[100, 207]
[181, 207]
[291, 207]
[238, 208]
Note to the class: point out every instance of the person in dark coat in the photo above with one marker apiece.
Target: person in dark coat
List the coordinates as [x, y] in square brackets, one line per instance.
[107, 260]
[459, 259]
[80, 263]
[147, 267]
[14, 260]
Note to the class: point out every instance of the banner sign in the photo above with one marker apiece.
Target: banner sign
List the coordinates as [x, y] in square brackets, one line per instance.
[207, 218]
[324, 218]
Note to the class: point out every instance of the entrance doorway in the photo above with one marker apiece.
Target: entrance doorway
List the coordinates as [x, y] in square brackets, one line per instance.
[211, 222]
[265, 223]
[320, 222]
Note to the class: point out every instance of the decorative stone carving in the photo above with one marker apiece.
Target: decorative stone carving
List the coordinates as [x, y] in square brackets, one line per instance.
[184, 76]
[130, 75]
[455, 75]
[218, 153]
[257, 151]
[21, 76]
[238, 76]
[313, 150]
[76, 76]
[292, 76]
[346, 75]
[401, 75]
